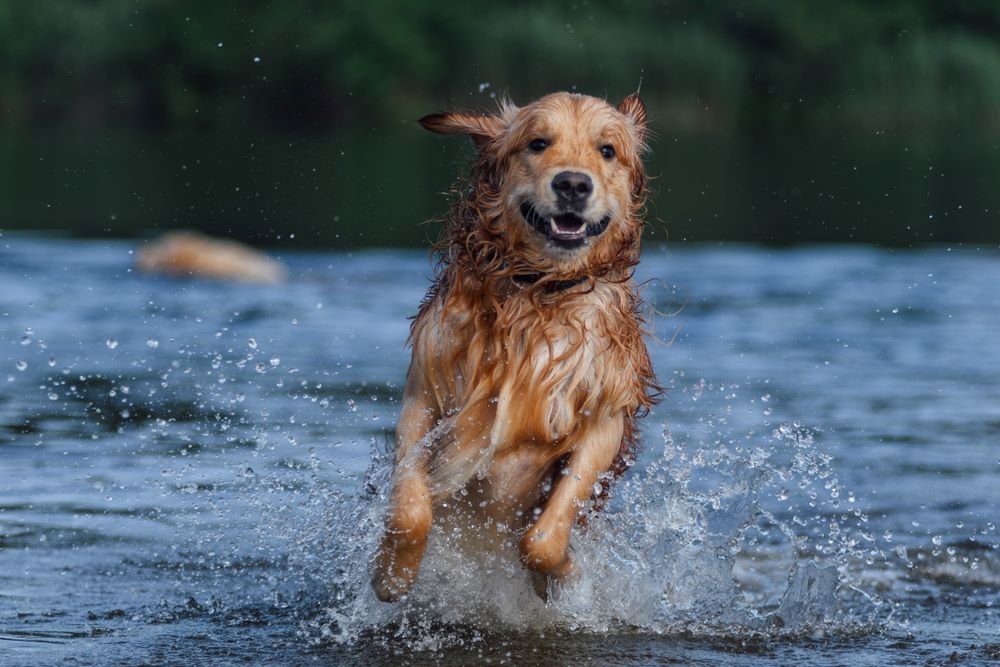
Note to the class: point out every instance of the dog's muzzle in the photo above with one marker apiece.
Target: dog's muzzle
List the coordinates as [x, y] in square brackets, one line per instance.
[567, 230]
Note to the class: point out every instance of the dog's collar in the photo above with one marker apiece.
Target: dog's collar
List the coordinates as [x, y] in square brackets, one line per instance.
[525, 279]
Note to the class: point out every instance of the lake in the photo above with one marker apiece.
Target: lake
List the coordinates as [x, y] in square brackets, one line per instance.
[195, 472]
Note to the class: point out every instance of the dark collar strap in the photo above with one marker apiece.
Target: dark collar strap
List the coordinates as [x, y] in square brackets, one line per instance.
[525, 279]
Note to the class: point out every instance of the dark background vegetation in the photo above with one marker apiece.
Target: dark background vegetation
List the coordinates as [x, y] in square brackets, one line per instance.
[292, 122]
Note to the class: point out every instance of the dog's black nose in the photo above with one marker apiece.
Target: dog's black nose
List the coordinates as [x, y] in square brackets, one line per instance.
[572, 186]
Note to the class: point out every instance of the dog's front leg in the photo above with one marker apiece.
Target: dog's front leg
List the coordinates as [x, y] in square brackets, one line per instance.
[545, 546]
[408, 520]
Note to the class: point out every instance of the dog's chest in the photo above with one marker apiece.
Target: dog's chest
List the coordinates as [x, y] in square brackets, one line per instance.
[539, 372]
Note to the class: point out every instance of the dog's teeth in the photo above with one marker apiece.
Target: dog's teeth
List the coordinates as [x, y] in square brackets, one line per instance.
[561, 230]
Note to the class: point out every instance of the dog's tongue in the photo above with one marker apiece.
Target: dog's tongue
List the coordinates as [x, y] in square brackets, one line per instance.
[567, 223]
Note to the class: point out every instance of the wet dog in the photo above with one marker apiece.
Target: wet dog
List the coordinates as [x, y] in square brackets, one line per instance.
[529, 367]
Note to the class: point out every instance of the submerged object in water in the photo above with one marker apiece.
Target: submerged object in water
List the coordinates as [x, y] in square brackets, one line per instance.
[194, 255]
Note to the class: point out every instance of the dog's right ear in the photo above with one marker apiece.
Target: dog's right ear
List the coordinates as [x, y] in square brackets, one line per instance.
[482, 129]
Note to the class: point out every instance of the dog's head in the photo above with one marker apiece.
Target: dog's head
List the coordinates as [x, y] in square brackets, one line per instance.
[558, 182]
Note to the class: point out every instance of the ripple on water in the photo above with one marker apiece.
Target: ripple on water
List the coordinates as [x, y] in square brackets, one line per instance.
[193, 499]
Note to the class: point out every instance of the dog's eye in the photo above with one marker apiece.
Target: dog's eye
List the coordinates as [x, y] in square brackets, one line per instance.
[608, 151]
[538, 145]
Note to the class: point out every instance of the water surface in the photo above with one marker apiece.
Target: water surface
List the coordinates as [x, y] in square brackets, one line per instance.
[193, 471]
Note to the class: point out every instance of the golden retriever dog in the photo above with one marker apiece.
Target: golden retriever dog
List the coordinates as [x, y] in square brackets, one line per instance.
[529, 367]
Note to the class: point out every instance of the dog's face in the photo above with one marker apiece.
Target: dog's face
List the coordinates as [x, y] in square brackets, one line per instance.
[568, 172]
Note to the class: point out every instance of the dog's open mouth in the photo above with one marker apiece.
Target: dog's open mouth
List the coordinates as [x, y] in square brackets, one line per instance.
[568, 230]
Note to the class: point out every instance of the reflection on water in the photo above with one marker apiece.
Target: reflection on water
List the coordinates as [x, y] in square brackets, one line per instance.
[376, 187]
[187, 468]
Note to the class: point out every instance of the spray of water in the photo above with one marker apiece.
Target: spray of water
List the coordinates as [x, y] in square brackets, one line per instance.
[708, 539]
[717, 533]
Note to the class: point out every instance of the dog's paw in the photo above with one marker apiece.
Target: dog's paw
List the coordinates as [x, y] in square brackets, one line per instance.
[541, 583]
[390, 581]
[546, 551]
[388, 589]
[398, 563]
[549, 587]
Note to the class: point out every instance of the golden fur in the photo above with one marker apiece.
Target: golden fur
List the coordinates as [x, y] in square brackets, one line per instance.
[529, 367]
[194, 255]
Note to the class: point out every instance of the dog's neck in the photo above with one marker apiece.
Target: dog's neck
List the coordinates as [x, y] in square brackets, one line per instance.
[525, 279]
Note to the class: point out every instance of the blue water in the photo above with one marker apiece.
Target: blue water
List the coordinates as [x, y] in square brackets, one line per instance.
[194, 472]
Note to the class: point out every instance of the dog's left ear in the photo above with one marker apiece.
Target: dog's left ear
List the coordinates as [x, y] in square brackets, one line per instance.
[481, 128]
[633, 109]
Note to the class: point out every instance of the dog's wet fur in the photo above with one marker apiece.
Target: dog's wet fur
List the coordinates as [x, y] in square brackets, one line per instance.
[529, 367]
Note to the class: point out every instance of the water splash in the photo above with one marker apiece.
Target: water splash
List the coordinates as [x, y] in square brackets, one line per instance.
[689, 545]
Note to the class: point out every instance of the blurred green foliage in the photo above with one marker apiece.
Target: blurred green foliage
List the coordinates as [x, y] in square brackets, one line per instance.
[780, 121]
[755, 66]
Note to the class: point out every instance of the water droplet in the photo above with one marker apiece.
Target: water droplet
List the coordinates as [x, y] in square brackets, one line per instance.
[53, 396]
[252, 342]
[111, 343]
[21, 365]
[152, 342]
[275, 361]
[52, 361]
[936, 540]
